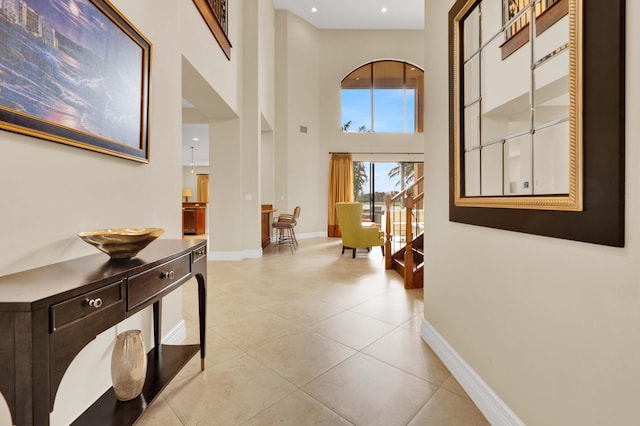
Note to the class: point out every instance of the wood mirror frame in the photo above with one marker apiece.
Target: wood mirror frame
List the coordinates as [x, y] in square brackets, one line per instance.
[599, 216]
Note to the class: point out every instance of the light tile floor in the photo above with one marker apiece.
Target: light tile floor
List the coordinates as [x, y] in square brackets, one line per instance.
[314, 338]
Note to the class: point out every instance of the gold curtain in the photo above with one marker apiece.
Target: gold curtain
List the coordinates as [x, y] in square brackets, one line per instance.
[203, 188]
[340, 188]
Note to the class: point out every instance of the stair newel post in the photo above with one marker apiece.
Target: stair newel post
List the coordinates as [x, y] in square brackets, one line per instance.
[408, 253]
[387, 245]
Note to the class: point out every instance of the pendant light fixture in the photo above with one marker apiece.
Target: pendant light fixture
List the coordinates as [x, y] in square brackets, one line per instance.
[193, 169]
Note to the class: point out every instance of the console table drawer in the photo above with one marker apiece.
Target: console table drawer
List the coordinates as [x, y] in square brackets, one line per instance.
[199, 254]
[148, 284]
[66, 312]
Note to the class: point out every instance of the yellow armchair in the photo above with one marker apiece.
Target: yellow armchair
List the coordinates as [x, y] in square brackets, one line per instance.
[354, 235]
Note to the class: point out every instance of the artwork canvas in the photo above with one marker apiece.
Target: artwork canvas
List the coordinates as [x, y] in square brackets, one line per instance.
[75, 72]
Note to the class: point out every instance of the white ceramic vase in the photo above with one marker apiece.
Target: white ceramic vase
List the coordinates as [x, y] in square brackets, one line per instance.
[128, 365]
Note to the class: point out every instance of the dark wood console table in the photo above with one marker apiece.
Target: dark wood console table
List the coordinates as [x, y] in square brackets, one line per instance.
[48, 314]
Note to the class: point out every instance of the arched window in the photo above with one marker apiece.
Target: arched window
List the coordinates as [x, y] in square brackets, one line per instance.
[383, 96]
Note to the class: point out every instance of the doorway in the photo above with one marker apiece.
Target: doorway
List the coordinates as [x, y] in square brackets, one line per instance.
[373, 180]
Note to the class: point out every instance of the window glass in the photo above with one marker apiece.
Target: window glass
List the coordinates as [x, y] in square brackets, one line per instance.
[383, 96]
[372, 181]
[356, 100]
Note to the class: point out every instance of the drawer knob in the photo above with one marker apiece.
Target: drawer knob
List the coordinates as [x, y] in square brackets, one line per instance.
[95, 303]
[200, 252]
[171, 275]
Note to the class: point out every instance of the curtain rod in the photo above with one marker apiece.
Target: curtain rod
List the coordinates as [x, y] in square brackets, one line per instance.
[380, 153]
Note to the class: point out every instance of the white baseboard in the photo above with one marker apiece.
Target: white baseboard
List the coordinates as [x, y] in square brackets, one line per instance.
[305, 236]
[251, 254]
[308, 235]
[177, 335]
[224, 255]
[234, 255]
[493, 408]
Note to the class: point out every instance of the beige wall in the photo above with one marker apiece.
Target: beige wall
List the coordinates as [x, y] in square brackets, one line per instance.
[310, 66]
[220, 73]
[239, 104]
[297, 178]
[267, 65]
[342, 51]
[553, 326]
[52, 191]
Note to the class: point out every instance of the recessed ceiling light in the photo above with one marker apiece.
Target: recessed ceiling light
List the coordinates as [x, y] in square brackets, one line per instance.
[383, 10]
[196, 139]
[314, 9]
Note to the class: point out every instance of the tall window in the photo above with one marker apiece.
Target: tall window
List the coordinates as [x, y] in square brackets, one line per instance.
[372, 181]
[383, 96]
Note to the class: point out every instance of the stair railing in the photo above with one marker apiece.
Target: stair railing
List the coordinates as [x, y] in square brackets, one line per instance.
[400, 230]
[408, 252]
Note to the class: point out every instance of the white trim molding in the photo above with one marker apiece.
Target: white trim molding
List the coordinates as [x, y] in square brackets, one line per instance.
[305, 236]
[234, 255]
[251, 254]
[308, 235]
[177, 335]
[224, 255]
[493, 408]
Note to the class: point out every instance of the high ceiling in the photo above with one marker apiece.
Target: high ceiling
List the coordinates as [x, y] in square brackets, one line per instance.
[358, 14]
[330, 14]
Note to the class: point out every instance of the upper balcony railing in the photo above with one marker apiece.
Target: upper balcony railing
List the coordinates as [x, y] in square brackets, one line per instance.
[516, 16]
[215, 14]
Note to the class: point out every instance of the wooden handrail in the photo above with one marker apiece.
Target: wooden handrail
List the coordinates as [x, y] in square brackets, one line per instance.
[408, 252]
[404, 191]
[214, 13]
[409, 202]
[387, 245]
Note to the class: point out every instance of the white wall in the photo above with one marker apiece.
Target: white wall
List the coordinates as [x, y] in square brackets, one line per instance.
[342, 51]
[311, 63]
[298, 155]
[267, 168]
[51, 191]
[553, 326]
[267, 83]
[267, 65]
[196, 38]
[237, 99]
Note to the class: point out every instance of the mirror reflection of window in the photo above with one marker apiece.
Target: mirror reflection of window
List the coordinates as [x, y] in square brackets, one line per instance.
[515, 107]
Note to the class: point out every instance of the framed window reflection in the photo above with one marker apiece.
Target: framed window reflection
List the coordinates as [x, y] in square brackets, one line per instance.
[529, 127]
[519, 139]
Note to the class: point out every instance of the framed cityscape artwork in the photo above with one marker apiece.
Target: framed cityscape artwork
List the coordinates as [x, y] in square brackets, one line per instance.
[75, 72]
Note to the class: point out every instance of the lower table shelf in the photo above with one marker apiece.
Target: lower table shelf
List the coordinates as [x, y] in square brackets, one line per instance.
[162, 366]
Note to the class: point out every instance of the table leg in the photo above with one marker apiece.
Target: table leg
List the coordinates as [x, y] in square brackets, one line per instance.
[202, 305]
[157, 324]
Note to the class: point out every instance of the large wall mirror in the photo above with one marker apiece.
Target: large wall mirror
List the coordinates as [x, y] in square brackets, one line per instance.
[518, 84]
[537, 116]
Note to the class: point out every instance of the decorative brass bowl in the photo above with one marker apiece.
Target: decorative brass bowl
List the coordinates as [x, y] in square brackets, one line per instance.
[121, 243]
